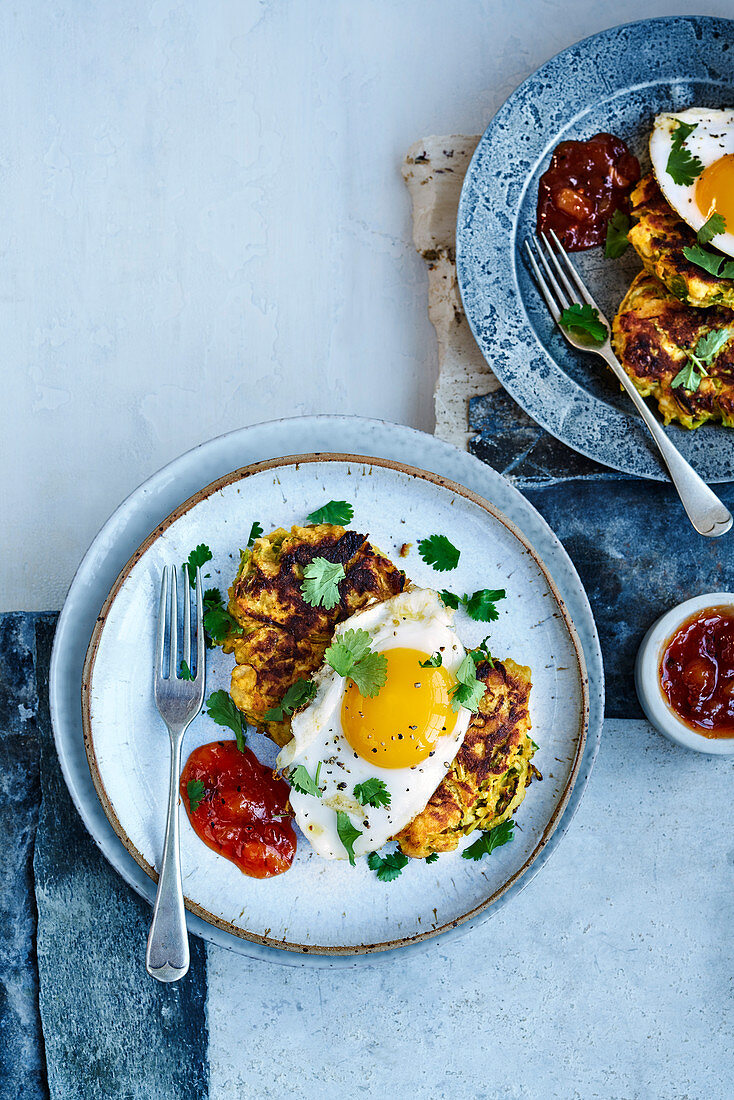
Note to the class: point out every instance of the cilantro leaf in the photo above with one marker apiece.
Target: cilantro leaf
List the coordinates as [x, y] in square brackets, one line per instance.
[433, 662]
[373, 792]
[616, 243]
[320, 585]
[370, 674]
[200, 555]
[709, 261]
[212, 598]
[222, 710]
[481, 653]
[432, 858]
[255, 533]
[469, 691]
[218, 623]
[387, 867]
[351, 656]
[688, 378]
[683, 167]
[195, 792]
[336, 511]
[710, 344]
[449, 599]
[185, 672]
[487, 842]
[437, 551]
[535, 747]
[347, 834]
[297, 694]
[716, 224]
[707, 348]
[301, 781]
[480, 605]
[585, 320]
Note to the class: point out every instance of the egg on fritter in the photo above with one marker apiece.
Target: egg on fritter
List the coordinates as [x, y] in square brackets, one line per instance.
[491, 771]
[284, 638]
[659, 238]
[652, 333]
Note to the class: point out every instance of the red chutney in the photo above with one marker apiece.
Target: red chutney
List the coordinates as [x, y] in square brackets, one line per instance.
[697, 672]
[585, 183]
[243, 814]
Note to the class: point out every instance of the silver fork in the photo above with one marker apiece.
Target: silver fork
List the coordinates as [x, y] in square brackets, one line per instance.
[178, 701]
[703, 508]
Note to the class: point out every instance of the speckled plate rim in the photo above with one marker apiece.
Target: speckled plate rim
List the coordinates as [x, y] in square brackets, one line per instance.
[241, 475]
[572, 414]
[157, 496]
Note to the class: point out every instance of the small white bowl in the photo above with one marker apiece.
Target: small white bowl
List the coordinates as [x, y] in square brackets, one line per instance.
[647, 676]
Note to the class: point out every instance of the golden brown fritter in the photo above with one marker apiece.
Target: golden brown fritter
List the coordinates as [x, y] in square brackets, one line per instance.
[659, 239]
[284, 638]
[651, 333]
[492, 769]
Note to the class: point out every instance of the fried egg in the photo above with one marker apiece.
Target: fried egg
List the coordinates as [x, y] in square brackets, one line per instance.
[712, 141]
[407, 735]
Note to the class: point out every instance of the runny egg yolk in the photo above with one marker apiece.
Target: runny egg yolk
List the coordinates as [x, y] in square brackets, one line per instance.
[399, 726]
[715, 190]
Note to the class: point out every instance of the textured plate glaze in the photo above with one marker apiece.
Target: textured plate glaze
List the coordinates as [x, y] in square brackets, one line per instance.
[128, 749]
[616, 81]
[148, 506]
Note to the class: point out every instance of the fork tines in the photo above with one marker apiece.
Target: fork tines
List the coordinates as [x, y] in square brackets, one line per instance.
[168, 626]
[557, 289]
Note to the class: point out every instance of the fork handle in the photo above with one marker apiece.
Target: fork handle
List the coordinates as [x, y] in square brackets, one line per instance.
[704, 509]
[167, 954]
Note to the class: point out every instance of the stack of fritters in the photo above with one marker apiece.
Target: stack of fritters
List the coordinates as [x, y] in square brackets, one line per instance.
[667, 309]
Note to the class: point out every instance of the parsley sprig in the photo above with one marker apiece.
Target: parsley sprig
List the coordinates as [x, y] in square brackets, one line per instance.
[351, 656]
[584, 320]
[487, 842]
[347, 834]
[702, 356]
[297, 694]
[469, 691]
[683, 167]
[616, 243]
[439, 552]
[388, 867]
[339, 512]
[195, 793]
[709, 261]
[711, 228]
[301, 781]
[480, 606]
[320, 586]
[373, 792]
[221, 709]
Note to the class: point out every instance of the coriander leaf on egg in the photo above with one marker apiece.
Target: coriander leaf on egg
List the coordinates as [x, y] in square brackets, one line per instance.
[373, 792]
[347, 834]
[711, 228]
[487, 842]
[339, 512]
[433, 662]
[388, 867]
[682, 167]
[709, 261]
[347, 650]
[195, 794]
[370, 674]
[616, 243]
[469, 691]
[221, 709]
[438, 551]
[320, 586]
[301, 781]
[297, 694]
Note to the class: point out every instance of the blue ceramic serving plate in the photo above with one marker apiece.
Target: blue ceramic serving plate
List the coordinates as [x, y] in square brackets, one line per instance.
[616, 81]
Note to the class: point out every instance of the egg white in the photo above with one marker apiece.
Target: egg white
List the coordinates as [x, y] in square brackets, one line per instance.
[713, 138]
[414, 619]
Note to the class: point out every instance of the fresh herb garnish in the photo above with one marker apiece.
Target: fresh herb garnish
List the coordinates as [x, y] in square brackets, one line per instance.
[222, 710]
[617, 243]
[437, 551]
[481, 653]
[336, 511]
[432, 858]
[373, 792]
[535, 747]
[255, 533]
[347, 834]
[350, 655]
[301, 781]
[387, 867]
[297, 694]
[321, 579]
[199, 556]
[469, 691]
[433, 662]
[480, 605]
[683, 167]
[487, 842]
[711, 228]
[185, 672]
[704, 353]
[218, 623]
[195, 792]
[585, 320]
[709, 261]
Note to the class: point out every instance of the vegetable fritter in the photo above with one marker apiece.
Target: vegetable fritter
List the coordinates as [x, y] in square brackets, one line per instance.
[659, 238]
[656, 336]
[491, 771]
[284, 639]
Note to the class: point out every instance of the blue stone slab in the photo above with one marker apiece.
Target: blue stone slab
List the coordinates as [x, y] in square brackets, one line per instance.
[629, 538]
[110, 1030]
[22, 1065]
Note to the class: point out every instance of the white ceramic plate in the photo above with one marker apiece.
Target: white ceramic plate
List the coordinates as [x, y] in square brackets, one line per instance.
[149, 506]
[394, 504]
